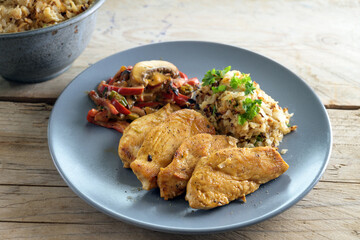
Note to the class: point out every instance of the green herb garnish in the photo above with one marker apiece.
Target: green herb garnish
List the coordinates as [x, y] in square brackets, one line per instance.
[220, 88]
[235, 82]
[249, 88]
[251, 107]
[214, 110]
[259, 138]
[213, 76]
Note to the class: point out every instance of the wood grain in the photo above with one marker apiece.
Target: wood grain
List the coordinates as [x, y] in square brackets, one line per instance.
[24, 152]
[317, 40]
[48, 212]
[34, 200]
[25, 158]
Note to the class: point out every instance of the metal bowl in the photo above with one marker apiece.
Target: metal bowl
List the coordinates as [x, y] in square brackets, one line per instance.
[42, 54]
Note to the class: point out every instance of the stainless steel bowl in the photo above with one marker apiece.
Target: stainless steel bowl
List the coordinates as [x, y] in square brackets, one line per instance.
[42, 54]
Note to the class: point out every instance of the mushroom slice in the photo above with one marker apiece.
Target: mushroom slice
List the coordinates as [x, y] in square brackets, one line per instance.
[152, 73]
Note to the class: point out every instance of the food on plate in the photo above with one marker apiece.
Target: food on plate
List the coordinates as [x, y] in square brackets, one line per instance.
[176, 149]
[136, 91]
[238, 107]
[161, 142]
[134, 135]
[172, 180]
[23, 15]
[231, 174]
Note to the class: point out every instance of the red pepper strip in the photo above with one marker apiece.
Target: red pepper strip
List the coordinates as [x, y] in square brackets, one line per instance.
[147, 104]
[179, 99]
[122, 90]
[193, 81]
[100, 88]
[111, 81]
[178, 82]
[183, 75]
[91, 114]
[120, 107]
[118, 126]
[103, 102]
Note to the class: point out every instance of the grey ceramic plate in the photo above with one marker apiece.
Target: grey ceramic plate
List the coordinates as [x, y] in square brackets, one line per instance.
[86, 154]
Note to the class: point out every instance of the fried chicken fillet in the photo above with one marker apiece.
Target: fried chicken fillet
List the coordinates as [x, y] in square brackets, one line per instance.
[135, 133]
[232, 173]
[161, 142]
[172, 180]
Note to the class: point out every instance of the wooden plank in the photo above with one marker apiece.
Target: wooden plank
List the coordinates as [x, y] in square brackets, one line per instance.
[20, 231]
[318, 40]
[345, 156]
[25, 158]
[331, 210]
[330, 201]
[24, 153]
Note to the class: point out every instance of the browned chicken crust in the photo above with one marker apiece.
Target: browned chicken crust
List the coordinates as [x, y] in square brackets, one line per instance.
[172, 180]
[230, 174]
[135, 133]
[161, 142]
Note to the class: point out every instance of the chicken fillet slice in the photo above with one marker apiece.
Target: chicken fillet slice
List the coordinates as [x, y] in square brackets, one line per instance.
[135, 133]
[231, 174]
[172, 180]
[161, 142]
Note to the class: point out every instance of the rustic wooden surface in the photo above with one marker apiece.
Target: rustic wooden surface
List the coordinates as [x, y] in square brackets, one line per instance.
[318, 40]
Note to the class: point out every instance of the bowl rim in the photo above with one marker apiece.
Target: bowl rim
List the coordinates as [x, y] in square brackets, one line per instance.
[60, 25]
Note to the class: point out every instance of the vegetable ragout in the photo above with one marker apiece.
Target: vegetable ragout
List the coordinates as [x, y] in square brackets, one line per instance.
[137, 90]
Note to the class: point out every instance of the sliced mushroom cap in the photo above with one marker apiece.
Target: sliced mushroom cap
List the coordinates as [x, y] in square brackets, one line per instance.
[152, 73]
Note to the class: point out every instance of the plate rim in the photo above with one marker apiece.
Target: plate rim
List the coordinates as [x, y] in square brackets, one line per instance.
[185, 230]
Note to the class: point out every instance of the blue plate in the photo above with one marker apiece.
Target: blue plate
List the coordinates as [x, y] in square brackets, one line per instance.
[86, 155]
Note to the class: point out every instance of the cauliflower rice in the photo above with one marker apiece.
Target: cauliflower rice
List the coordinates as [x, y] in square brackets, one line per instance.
[223, 108]
[23, 15]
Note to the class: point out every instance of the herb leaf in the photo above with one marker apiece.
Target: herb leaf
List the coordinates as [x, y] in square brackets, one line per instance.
[251, 107]
[235, 82]
[259, 138]
[214, 110]
[249, 88]
[220, 88]
[213, 76]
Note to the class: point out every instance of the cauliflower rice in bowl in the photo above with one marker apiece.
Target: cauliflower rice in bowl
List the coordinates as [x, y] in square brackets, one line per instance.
[238, 107]
[24, 15]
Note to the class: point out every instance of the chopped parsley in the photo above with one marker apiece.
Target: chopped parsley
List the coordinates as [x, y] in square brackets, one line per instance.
[259, 138]
[213, 76]
[220, 88]
[251, 107]
[214, 110]
[249, 86]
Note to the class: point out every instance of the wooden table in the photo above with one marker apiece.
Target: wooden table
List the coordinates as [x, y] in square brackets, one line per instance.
[318, 40]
